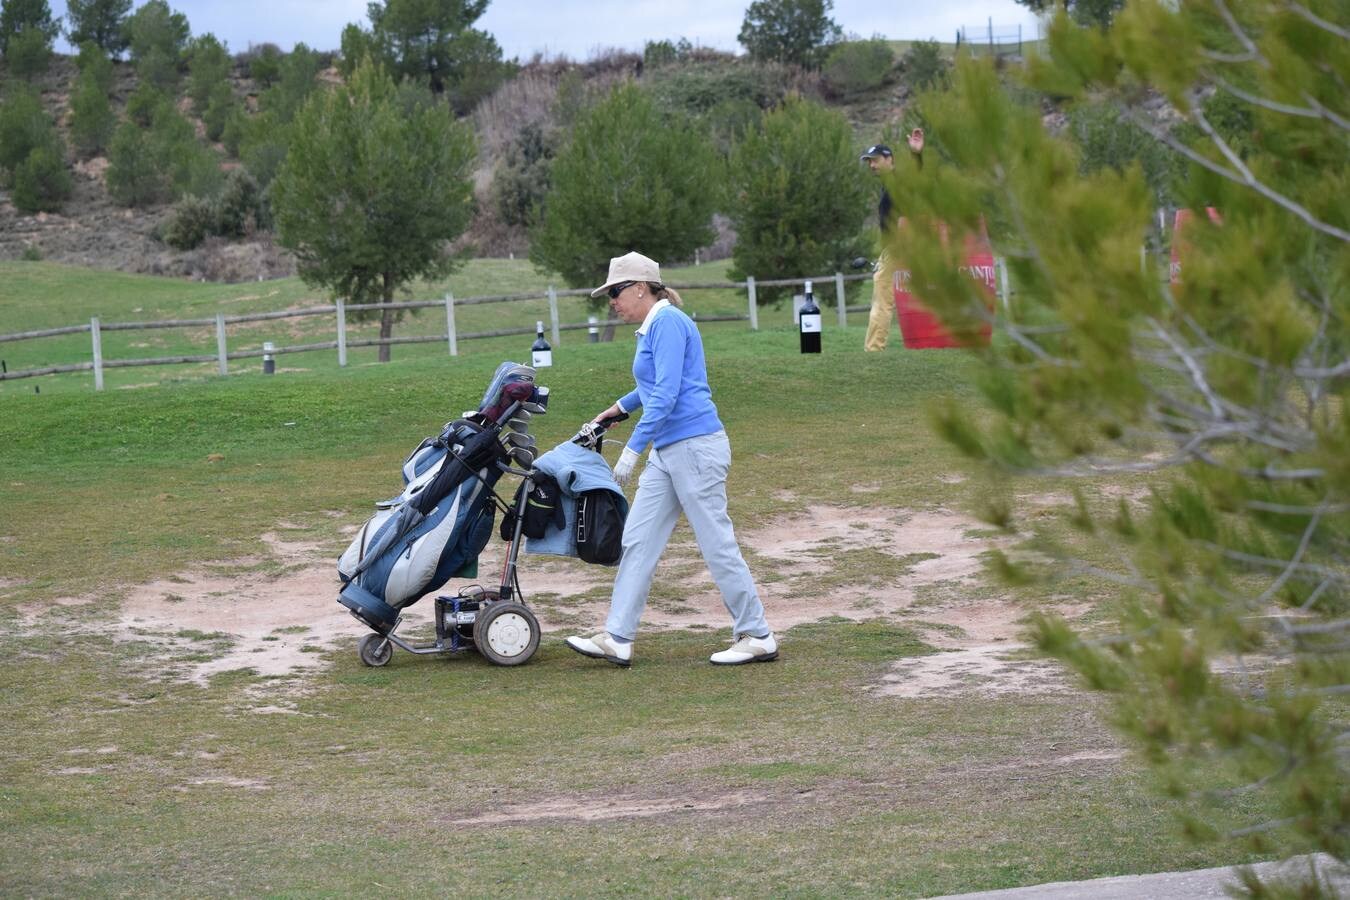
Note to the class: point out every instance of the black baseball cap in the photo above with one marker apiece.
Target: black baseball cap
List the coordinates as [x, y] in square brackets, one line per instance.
[875, 150]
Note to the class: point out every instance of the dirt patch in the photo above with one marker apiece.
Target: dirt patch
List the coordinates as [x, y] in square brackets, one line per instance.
[984, 669]
[590, 809]
[277, 614]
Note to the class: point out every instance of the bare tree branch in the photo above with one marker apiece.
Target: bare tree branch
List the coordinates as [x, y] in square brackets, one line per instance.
[1321, 23]
[1270, 194]
[1233, 26]
[1295, 560]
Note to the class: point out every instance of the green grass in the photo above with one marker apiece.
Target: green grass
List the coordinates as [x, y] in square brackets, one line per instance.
[792, 778]
[36, 295]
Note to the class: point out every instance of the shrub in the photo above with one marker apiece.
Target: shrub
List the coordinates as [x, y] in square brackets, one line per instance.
[238, 210]
[208, 70]
[219, 110]
[798, 196]
[133, 177]
[31, 253]
[41, 183]
[94, 65]
[729, 121]
[520, 186]
[91, 117]
[696, 89]
[24, 126]
[924, 66]
[143, 103]
[857, 67]
[29, 53]
[192, 221]
[264, 63]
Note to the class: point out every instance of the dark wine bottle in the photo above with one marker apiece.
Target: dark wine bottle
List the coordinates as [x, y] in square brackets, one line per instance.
[810, 323]
[541, 354]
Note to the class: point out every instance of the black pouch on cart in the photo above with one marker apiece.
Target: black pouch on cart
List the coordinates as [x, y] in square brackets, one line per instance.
[600, 518]
[543, 509]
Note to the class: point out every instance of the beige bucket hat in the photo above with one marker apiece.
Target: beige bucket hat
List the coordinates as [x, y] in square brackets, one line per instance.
[629, 267]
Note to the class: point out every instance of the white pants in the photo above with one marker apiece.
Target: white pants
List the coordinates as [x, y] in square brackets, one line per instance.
[688, 476]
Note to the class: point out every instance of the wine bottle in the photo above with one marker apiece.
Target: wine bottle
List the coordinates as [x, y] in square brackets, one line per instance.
[541, 354]
[810, 323]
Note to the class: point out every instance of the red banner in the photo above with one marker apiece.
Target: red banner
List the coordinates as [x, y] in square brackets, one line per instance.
[1179, 246]
[921, 329]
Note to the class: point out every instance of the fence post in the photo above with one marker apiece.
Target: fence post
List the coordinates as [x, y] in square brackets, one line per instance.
[553, 313]
[342, 332]
[450, 323]
[839, 294]
[754, 306]
[220, 344]
[98, 353]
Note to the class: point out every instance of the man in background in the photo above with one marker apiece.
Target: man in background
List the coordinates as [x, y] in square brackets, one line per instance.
[881, 161]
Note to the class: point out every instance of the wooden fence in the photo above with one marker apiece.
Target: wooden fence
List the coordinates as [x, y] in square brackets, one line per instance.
[339, 310]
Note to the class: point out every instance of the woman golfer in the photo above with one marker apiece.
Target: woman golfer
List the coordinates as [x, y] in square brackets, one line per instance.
[686, 471]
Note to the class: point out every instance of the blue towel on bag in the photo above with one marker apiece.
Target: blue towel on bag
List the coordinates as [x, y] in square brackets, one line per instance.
[576, 469]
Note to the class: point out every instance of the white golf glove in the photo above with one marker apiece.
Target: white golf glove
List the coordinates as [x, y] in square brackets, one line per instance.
[623, 469]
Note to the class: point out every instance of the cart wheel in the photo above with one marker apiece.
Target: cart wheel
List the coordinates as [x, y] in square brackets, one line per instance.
[506, 633]
[374, 650]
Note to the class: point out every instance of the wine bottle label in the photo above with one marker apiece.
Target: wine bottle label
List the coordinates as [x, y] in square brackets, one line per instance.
[542, 359]
[811, 323]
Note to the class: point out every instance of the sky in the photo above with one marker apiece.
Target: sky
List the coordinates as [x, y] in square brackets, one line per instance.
[577, 28]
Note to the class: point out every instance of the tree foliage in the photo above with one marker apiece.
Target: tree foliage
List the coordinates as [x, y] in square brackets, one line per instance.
[27, 30]
[25, 126]
[630, 179]
[19, 16]
[431, 41]
[924, 66]
[156, 164]
[798, 32]
[41, 183]
[100, 21]
[856, 67]
[208, 68]
[1227, 657]
[157, 36]
[1085, 12]
[798, 197]
[91, 115]
[372, 190]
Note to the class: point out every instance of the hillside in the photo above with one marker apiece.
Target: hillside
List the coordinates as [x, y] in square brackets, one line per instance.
[92, 230]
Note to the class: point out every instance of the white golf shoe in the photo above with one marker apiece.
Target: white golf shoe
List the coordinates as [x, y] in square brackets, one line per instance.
[602, 646]
[747, 650]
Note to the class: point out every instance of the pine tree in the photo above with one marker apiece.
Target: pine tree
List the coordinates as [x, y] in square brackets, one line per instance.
[1226, 657]
[372, 191]
[798, 197]
[799, 32]
[100, 21]
[27, 30]
[629, 180]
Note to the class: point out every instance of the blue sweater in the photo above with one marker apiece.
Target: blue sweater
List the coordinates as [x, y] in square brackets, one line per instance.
[672, 383]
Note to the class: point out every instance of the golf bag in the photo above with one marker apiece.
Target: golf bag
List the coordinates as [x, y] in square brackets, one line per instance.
[435, 529]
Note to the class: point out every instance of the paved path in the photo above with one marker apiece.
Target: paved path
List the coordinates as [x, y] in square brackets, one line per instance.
[1200, 884]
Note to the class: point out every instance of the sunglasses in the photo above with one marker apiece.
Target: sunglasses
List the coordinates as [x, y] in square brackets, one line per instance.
[618, 289]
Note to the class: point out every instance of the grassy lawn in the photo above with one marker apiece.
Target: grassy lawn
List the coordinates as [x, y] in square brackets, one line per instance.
[560, 778]
[35, 295]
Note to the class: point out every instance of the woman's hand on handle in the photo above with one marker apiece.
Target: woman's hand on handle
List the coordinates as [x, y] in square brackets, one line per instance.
[613, 412]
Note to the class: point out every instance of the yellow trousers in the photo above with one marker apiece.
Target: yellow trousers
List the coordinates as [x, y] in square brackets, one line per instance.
[883, 306]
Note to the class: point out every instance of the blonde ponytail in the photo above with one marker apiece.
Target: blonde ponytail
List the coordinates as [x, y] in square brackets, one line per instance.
[668, 293]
